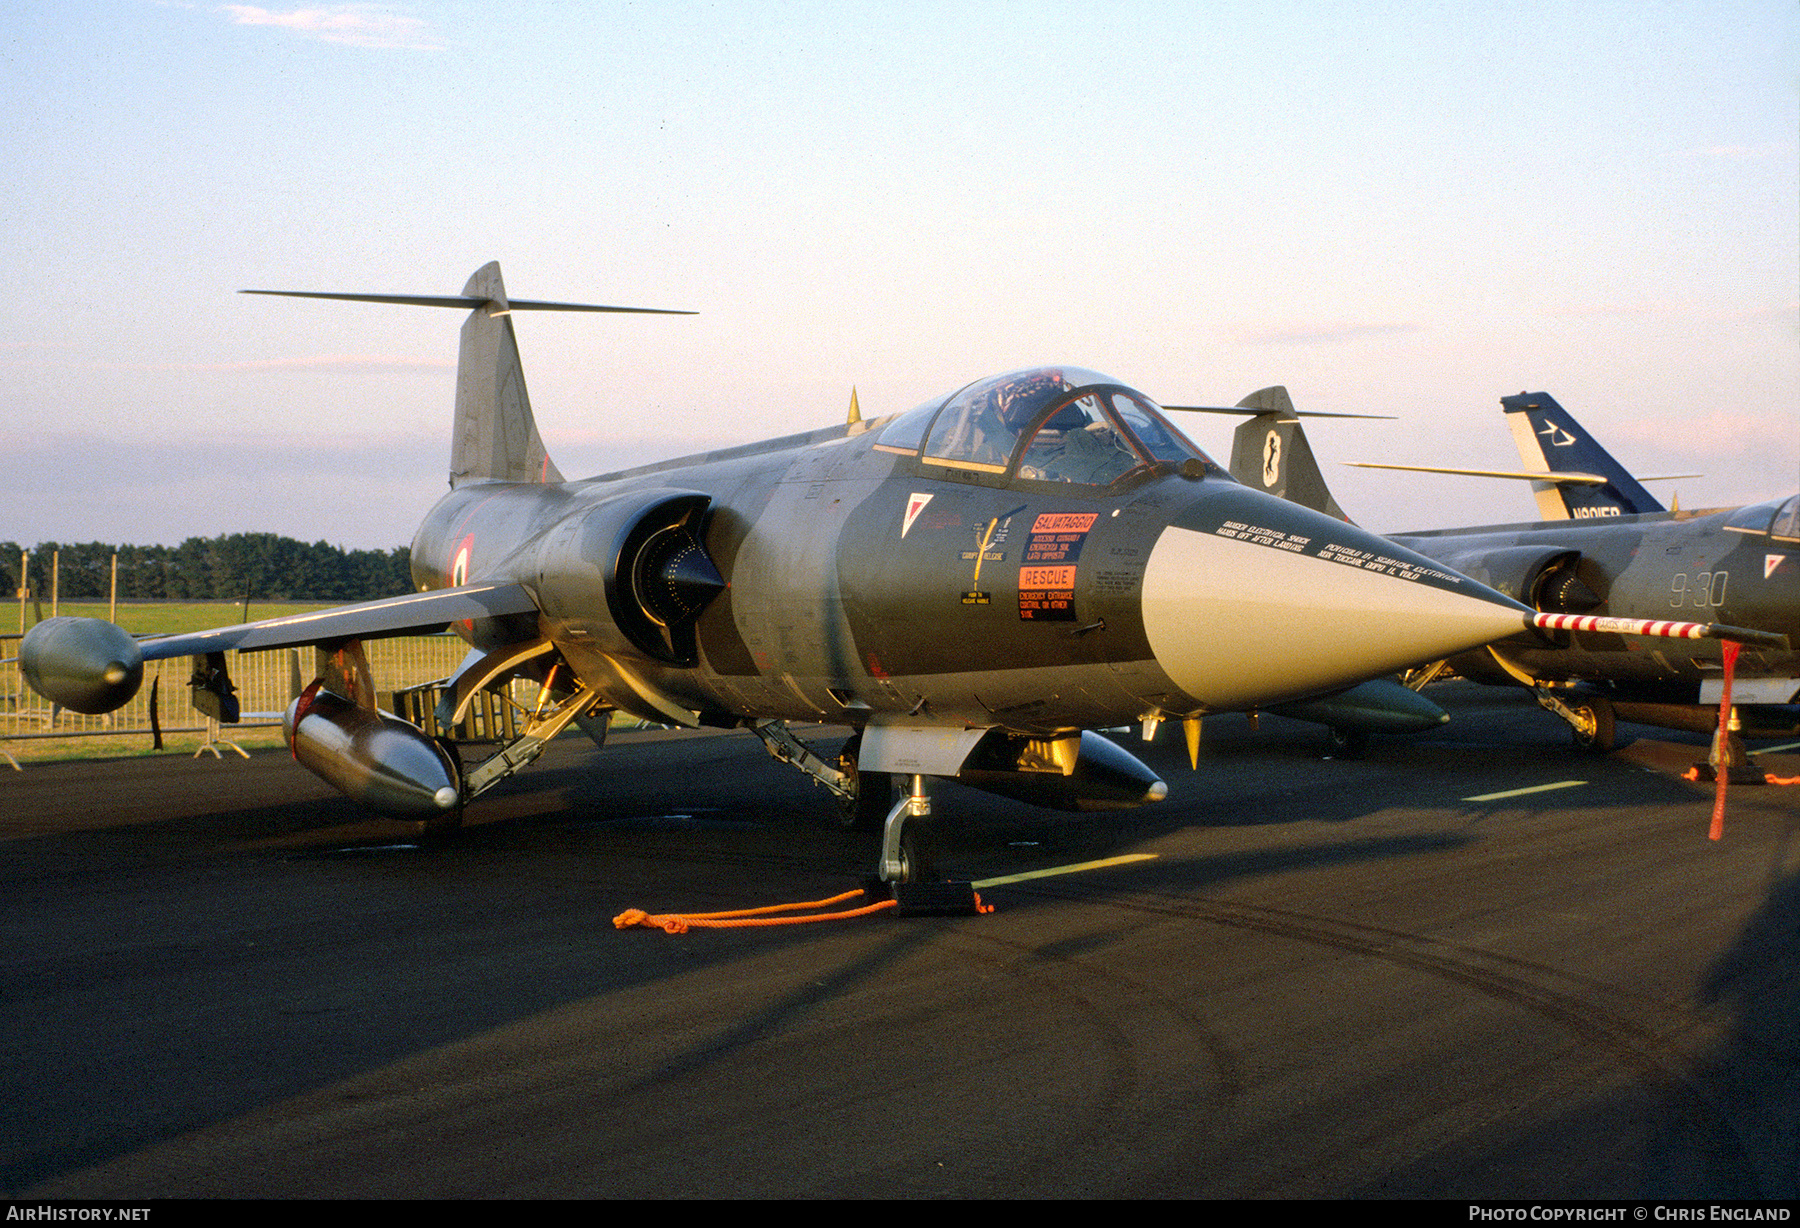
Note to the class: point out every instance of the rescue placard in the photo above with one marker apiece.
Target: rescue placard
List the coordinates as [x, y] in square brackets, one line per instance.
[1047, 571]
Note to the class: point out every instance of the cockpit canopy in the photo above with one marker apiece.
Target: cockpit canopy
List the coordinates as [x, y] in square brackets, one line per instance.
[1046, 424]
[1778, 518]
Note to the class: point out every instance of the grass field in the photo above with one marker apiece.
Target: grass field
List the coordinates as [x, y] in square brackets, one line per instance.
[166, 617]
[129, 745]
[263, 679]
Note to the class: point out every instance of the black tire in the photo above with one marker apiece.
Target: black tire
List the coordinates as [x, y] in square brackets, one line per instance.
[1348, 743]
[1596, 731]
[867, 808]
[918, 852]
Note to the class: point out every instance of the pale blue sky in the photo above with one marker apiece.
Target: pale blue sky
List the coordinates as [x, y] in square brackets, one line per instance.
[1391, 208]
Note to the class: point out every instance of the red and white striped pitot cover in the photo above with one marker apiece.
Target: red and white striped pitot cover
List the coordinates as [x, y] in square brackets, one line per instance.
[1621, 626]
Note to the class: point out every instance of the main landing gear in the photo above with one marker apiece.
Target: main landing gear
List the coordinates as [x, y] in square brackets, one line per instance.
[1729, 757]
[1592, 724]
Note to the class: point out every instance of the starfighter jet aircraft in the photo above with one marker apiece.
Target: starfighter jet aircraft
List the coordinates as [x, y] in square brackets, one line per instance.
[969, 585]
[1595, 563]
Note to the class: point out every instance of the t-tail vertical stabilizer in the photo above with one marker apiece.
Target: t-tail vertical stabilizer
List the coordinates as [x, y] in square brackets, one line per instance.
[495, 436]
[1270, 453]
[1550, 440]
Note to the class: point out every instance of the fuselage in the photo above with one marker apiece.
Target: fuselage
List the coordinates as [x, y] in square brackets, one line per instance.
[913, 569]
[1738, 566]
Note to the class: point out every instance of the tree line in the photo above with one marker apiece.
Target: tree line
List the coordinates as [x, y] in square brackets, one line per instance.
[273, 568]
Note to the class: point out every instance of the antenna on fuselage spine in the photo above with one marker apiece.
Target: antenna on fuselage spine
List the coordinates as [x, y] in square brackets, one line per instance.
[495, 437]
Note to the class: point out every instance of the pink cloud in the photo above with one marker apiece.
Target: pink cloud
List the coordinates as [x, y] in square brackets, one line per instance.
[1718, 432]
[1324, 334]
[313, 362]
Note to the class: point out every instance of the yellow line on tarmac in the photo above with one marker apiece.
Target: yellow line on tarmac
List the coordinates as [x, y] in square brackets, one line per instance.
[1077, 868]
[1494, 797]
[1775, 749]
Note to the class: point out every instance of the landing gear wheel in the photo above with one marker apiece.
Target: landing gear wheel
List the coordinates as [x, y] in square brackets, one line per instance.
[1593, 729]
[1348, 743]
[918, 853]
[909, 838]
[873, 792]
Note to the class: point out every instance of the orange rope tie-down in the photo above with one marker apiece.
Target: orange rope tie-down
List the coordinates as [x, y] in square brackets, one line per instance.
[744, 918]
[910, 899]
[1693, 774]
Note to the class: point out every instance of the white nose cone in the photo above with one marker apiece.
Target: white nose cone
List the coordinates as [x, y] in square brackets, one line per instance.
[1242, 614]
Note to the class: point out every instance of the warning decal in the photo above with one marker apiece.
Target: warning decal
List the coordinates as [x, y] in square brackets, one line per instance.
[1047, 571]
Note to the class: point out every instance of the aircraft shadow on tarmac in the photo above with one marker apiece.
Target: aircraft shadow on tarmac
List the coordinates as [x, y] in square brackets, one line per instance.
[1751, 1150]
[178, 972]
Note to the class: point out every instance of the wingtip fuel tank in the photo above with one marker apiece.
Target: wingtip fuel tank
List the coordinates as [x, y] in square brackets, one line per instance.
[1085, 773]
[87, 665]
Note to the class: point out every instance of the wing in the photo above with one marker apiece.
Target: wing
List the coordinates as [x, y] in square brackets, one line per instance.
[413, 614]
[89, 665]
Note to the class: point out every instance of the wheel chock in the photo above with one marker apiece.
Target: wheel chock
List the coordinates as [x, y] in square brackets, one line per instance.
[937, 900]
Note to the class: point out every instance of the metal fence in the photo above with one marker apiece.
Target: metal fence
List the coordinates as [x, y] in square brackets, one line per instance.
[264, 682]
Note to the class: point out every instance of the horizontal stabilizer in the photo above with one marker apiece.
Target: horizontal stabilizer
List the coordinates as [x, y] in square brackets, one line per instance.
[1573, 479]
[1246, 410]
[413, 614]
[494, 437]
[466, 302]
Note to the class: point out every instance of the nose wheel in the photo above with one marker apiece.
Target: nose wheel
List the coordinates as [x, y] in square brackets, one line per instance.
[908, 851]
[1593, 725]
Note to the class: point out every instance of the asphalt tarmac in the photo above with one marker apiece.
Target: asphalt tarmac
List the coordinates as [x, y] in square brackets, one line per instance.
[1331, 978]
